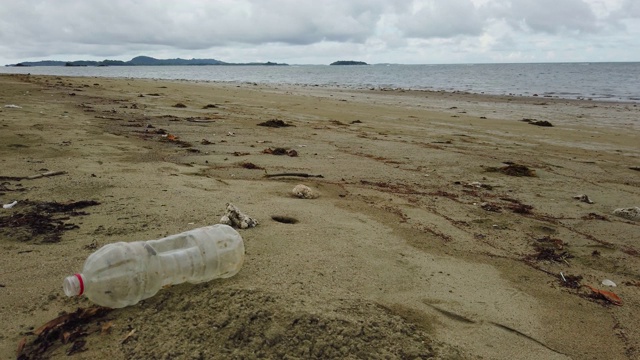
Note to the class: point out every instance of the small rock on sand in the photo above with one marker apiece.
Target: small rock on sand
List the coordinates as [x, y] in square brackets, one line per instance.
[304, 192]
[584, 198]
[237, 219]
[630, 213]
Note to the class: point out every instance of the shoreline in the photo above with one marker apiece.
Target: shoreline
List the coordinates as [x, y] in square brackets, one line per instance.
[438, 81]
[417, 246]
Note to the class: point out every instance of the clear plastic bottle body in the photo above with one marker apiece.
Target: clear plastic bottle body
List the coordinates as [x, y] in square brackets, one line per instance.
[122, 274]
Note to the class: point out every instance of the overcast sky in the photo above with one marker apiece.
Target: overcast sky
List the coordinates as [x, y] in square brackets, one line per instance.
[322, 31]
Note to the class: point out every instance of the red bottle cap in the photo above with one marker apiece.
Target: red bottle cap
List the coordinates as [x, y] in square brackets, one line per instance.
[81, 284]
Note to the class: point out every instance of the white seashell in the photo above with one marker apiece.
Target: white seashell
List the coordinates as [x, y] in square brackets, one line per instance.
[10, 205]
[607, 282]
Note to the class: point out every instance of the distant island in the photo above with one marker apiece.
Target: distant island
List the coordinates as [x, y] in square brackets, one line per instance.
[348, 62]
[139, 61]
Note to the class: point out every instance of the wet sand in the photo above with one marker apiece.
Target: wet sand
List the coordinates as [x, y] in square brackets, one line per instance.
[418, 246]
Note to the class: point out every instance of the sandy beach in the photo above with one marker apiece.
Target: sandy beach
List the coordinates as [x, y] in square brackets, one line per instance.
[422, 241]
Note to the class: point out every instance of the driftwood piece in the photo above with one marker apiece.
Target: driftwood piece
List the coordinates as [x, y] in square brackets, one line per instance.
[293, 174]
[194, 120]
[46, 174]
[36, 176]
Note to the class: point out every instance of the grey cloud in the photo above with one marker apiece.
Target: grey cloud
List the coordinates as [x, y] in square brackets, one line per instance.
[194, 25]
[629, 9]
[113, 28]
[552, 16]
[442, 19]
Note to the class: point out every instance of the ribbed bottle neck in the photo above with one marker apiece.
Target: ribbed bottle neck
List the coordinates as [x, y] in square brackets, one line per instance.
[73, 285]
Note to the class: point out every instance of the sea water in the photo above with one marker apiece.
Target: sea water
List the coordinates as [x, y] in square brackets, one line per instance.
[597, 81]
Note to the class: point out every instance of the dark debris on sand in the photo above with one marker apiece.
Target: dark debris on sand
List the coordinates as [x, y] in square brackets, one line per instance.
[544, 123]
[42, 221]
[274, 123]
[513, 169]
[71, 328]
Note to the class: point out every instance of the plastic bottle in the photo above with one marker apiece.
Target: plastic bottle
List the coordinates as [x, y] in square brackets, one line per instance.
[122, 274]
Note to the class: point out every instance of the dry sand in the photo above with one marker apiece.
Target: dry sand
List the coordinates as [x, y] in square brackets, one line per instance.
[414, 249]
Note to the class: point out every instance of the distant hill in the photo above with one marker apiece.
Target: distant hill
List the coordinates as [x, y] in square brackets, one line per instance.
[138, 61]
[348, 62]
[149, 61]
